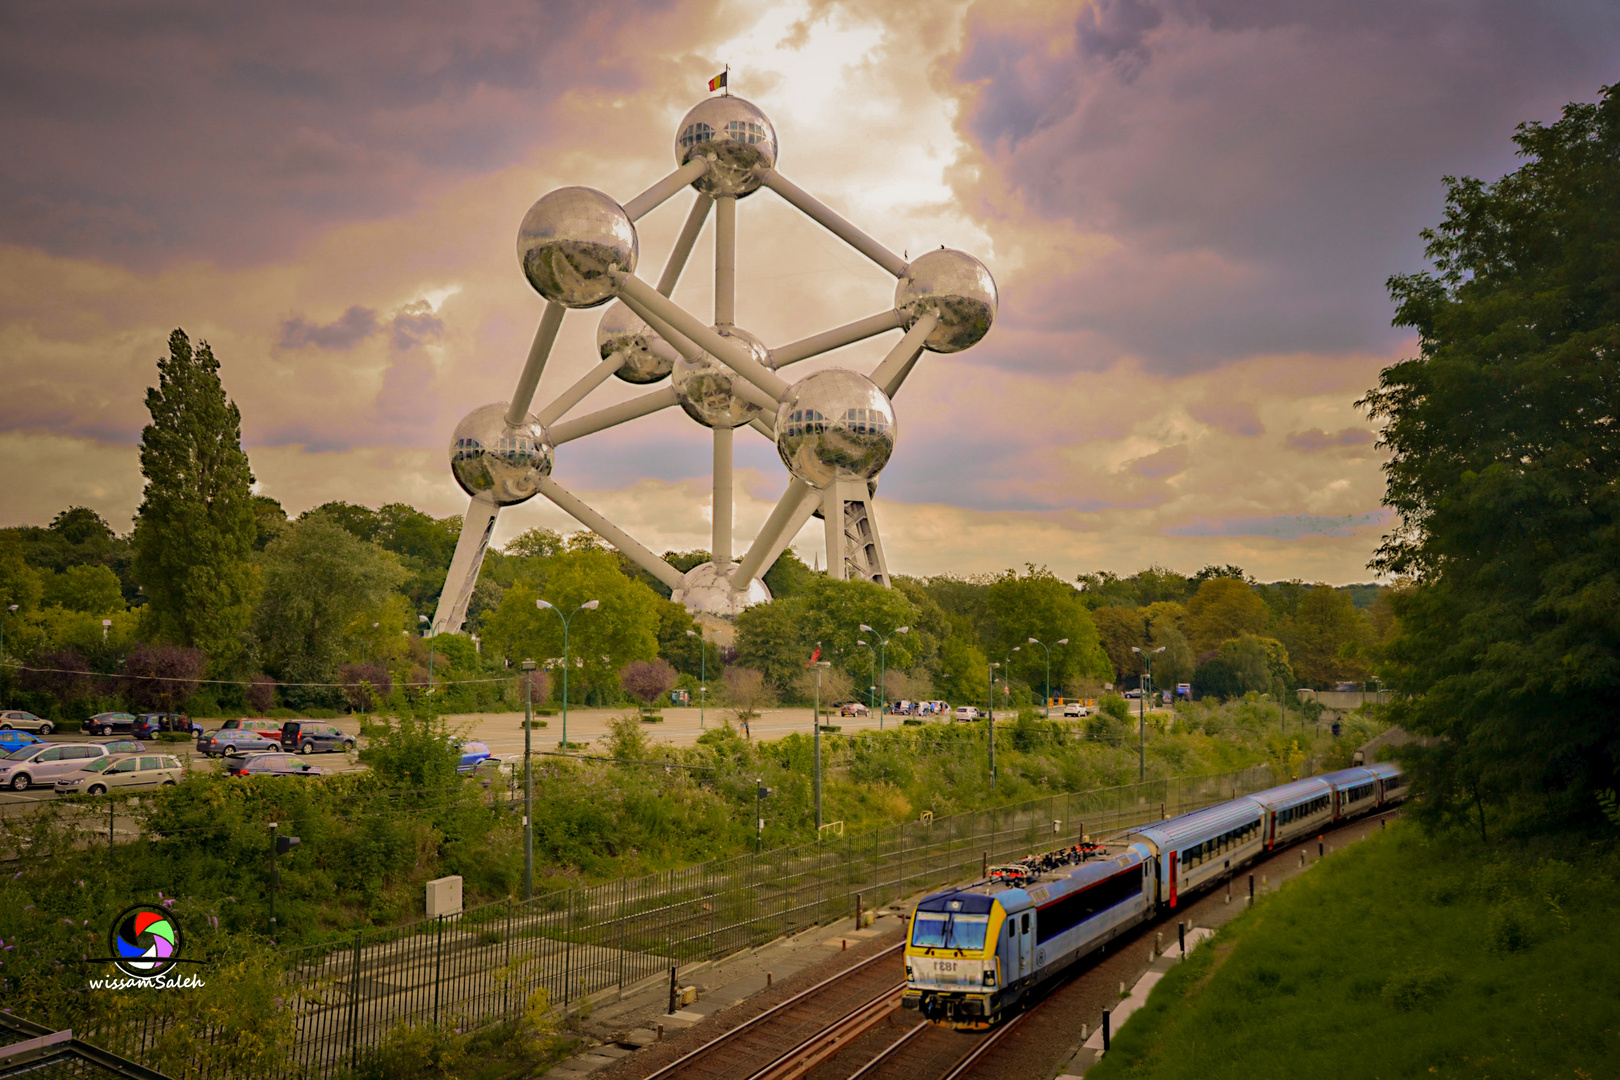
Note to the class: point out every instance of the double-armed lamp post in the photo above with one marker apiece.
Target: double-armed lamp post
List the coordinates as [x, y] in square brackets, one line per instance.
[589, 605]
[528, 779]
[990, 715]
[871, 689]
[883, 667]
[703, 674]
[1141, 711]
[1037, 641]
[820, 666]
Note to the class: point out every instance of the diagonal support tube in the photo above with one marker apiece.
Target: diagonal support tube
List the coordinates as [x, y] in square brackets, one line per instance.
[576, 393]
[477, 525]
[545, 336]
[570, 504]
[898, 364]
[602, 419]
[823, 215]
[773, 535]
[655, 196]
[684, 244]
[647, 302]
[805, 348]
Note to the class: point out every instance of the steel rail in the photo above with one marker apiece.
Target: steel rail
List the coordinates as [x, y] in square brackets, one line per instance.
[749, 1024]
[832, 1038]
[887, 1050]
[985, 1044]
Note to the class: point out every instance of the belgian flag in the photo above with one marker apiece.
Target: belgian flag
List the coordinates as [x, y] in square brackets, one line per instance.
[719, 81]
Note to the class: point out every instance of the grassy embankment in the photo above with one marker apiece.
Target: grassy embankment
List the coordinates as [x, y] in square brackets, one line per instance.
[1401, 956]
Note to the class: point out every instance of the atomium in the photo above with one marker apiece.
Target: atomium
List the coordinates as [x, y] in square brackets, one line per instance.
[498, 462]
[834, 429]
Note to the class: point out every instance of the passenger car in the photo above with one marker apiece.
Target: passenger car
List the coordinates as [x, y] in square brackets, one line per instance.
[853, 708]
[18, 720]
[1074, 708]
[149, 724]
[42, 763]
[12, 741]
[473, 754]
[111, 723]
[267, 727]
[308, 736]
[967, 712]
[230, 743]
[273, 765]
[135, 771]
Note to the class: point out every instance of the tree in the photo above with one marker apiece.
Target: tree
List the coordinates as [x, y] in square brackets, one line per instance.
[1120, 628]
[90, 588]
[647, 680]
[1037, 604]
[1176, 664]
[195, 529]
[964, 672]
[365, 684]
[166, 676]
[1323, 635]
[1503, 456]
[19, 583]
[321, 586]
[1222, 608]
[746, 693]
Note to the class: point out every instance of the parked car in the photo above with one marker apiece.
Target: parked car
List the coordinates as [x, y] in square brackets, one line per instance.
[853, 708]
[123, 746]
[149, 724]
[134, 771]
[268, 727]
[1133, 694]
[233, 742]
[273, 765]
[967, 712]
[111, 723]
[1074, 708]
[307, 736]
[17, 720]
[42, 763]
[473, 754]
[12, 741]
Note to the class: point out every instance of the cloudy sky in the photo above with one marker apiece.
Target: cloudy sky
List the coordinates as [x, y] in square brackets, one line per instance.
[1190, 208]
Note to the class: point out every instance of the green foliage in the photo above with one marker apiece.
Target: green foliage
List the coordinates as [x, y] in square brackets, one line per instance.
[1503, 457]
[1389, 960]
[89, 588]
[195, 528]
[19, 583]
[777, 639]
[1223, 608]
[1039, 605]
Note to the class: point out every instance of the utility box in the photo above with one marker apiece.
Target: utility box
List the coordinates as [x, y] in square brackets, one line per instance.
[444, 896]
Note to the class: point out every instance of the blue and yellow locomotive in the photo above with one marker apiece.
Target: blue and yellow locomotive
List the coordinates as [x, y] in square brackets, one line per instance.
[978, 953]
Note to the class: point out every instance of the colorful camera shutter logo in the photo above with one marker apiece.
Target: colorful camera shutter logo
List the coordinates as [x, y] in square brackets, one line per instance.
[146, 939]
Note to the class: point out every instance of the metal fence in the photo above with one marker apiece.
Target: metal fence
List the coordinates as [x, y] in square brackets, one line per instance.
[482, 967]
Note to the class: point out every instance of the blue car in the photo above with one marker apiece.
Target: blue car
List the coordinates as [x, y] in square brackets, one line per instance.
[473, 754]
[15, 740]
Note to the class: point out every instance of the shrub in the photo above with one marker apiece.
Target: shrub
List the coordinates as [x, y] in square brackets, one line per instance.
[1510, 927]
[1419, 988]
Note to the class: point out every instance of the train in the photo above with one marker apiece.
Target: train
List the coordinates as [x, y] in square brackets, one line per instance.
[979, 953]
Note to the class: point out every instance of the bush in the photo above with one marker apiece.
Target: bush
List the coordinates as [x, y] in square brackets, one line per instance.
[1115, 707]
[1420, 988]
[1510, 927]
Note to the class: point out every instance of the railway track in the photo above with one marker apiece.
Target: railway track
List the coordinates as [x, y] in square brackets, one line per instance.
[791, 1038]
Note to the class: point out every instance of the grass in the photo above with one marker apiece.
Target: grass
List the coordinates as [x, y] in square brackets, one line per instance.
[1401, 956]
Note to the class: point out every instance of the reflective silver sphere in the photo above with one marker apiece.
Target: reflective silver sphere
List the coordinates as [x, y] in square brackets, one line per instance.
[954, 286]
[569, 243]
[645, 357]
[707, 589]
[704, 388]
[498, 462]
[738, 140]
[835, 425]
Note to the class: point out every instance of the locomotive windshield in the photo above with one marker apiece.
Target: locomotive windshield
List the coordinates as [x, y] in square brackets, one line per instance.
[949, 930]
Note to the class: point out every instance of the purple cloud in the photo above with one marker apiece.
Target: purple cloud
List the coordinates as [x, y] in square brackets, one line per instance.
[350, 328]
[1316, 439]
[1234, 417]
[1284, 526]
[1262, 166]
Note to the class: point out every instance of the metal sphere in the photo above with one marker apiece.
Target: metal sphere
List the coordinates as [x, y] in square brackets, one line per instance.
[499, 462]
[570, 243]
[736, 138]
[707, 589]
[704, 387]
[623, 335]
[957, 289]
[835, 425]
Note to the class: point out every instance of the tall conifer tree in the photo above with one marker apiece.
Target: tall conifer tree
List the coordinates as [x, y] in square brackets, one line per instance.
[195, 528]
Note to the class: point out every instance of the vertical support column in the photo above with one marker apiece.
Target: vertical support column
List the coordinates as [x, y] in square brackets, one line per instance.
[832, 511]
[725, 260]
[723, 489]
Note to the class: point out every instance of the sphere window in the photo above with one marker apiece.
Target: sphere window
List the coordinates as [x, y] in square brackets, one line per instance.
[696, 133]
[744, 131]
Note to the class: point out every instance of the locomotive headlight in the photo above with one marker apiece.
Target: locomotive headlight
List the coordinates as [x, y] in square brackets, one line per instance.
[908, 973]
[989, 976]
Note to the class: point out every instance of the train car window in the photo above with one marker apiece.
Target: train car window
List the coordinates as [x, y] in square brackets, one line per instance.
[1076, 908]
[1026, 924]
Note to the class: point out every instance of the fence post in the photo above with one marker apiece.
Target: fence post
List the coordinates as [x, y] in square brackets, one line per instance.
[354, 1003]
[438, 966]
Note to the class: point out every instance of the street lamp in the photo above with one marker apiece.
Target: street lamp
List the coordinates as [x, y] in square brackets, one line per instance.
[991, 716]
[528, 779]
[760, 793]
[883, 668]
[589, 605]
[703, 673]
[1006, 684]
[11, 610]
[1060, 641]
[1141, 711]
[426, 632]
[871, 688]
[820, 666]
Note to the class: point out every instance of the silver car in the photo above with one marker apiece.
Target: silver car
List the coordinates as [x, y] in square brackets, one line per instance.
[135, 771]
[17, 720]
[42, 763]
